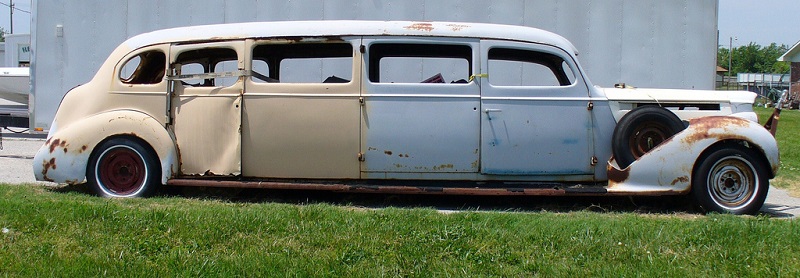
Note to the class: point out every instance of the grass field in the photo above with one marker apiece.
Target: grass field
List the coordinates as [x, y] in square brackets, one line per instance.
[789, 145]
[47, 233]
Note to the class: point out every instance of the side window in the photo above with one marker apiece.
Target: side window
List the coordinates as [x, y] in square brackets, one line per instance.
[514, 67]
[209, 60]
[419, 63]
[303, 63]
[145, 68]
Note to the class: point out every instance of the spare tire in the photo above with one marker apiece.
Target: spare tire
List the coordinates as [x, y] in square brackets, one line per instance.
[641, 130]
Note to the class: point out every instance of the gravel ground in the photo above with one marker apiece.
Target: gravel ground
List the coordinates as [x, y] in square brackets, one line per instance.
[17, 154]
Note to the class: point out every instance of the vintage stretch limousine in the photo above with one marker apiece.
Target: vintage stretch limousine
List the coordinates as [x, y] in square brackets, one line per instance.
[396, 107]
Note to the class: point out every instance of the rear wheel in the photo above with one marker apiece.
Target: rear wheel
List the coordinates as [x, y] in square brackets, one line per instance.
[731, 179]
[123, 167]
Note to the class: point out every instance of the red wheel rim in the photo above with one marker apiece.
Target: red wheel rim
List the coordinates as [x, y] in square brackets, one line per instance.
[121, 170]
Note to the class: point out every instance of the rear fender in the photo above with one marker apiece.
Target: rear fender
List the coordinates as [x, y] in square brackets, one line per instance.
[667, 169]
[65, 155]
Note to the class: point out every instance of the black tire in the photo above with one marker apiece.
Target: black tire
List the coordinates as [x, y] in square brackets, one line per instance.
[641, 130]
[730, 179]
[122, 167]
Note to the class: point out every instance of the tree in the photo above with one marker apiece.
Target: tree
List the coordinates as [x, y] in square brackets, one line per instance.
[753, 58]
[3, 34]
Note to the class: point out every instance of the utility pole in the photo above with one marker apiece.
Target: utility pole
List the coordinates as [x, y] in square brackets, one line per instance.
[11, 15]
[730, 59]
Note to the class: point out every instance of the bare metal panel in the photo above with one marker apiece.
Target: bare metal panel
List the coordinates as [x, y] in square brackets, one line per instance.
[648, 43]
[207, 120]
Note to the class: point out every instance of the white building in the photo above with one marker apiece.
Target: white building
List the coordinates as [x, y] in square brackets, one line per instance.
[645, 43]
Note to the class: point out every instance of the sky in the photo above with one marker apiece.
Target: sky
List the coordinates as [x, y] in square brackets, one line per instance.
[22, 16]
[759, 21]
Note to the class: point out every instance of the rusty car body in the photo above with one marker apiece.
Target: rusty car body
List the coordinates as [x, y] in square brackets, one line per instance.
[400, 107]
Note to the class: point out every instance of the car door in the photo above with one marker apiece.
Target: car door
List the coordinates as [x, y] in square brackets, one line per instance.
[420, 117]
[205, 106]
[535, 116]
[301, 116]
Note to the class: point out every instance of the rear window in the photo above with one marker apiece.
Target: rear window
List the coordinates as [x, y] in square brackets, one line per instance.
[145, 68]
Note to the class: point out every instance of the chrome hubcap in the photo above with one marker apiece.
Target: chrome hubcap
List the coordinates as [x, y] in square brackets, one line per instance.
[732, 182]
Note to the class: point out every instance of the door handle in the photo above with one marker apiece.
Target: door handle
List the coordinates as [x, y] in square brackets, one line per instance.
[489, 116]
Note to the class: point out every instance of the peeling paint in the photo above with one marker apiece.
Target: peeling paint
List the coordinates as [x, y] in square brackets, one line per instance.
[457, 27]
[388, 152]
[443, 166]
[617, 176]
[427, 27]
[54, 145]
[703, 126]
[682, 179]
[46, 166]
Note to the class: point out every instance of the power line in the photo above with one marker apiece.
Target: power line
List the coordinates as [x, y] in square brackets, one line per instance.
[21, 10]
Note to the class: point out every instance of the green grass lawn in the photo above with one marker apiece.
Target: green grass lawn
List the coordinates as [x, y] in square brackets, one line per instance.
[789, 144]
[47, 233]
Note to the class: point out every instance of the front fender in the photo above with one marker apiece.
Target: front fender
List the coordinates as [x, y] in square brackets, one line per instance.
[64, 156]
[668, 167]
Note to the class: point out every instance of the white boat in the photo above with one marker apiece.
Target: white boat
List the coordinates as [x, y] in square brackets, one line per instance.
[15, 84]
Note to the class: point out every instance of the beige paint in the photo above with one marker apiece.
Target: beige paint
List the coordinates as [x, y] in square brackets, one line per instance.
[302, 130]
[206, 121]
[147, 98]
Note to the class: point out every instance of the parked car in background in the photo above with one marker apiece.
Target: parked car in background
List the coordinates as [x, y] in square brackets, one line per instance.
[396, 107]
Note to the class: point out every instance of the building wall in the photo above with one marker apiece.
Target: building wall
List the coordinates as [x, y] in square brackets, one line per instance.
[645, 43]
[17, 51]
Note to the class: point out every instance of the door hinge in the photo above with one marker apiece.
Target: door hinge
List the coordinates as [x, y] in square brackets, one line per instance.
[360, 157]
[594, 160]
[362, 49]
[361, 101]
[590, 106]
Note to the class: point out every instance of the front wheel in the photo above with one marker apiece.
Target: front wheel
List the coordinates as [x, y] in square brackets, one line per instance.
[123, 167]
[731, 180]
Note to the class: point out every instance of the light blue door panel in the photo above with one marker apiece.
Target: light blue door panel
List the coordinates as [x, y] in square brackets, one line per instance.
[535, 118]
[421, 134]
[532, 137]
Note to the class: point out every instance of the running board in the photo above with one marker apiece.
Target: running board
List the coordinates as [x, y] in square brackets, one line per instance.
[518, 189]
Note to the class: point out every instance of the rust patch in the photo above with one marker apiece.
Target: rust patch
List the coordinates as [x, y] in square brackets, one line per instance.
[617, 176]
[54, 145]
[388, 152]
[46, 165]
[703, 125]
[427, 27]
[83, 148]
[683, 179]
[443, 166]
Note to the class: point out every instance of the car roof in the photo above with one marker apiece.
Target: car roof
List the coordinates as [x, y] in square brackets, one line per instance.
[341, 28]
